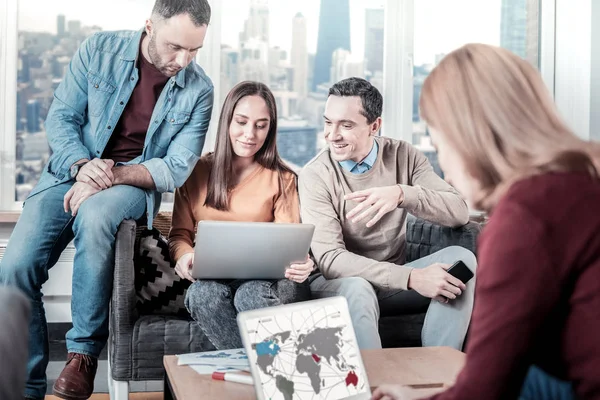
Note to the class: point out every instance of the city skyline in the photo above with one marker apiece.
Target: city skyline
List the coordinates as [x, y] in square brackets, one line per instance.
[440, 25]
[331, 39]
[298, 77]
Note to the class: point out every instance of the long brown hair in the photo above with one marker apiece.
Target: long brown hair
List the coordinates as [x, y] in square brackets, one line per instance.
[221, 174]
[495, 109]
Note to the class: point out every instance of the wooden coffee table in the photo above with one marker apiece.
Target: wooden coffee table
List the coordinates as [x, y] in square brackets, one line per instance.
[429, 369]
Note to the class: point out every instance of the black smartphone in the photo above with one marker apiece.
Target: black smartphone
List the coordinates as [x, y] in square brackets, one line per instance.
[460, 270]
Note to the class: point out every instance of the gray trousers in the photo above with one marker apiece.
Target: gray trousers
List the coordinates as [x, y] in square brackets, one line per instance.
[446, 324]
[14, 336]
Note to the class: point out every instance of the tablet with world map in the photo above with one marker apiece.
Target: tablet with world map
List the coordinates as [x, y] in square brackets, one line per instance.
[304, 350]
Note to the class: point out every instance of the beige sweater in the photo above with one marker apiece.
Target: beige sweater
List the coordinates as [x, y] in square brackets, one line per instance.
[342, 248]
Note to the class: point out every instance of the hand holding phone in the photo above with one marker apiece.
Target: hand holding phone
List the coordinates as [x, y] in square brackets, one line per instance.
[434, 282]
[460, 271]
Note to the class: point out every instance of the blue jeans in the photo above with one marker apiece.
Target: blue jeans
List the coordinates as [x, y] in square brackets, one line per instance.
[539, 385]
[445, 324]
[214, 304]
[41, 234]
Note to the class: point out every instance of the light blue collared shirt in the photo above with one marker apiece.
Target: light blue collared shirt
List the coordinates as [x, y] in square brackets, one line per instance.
[363, 166]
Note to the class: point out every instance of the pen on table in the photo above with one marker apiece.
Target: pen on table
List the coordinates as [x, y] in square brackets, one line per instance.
[233, 377]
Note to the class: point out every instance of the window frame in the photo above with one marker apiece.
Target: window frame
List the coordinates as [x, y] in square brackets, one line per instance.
[397, 93]
[399, 33]
[8, 102]
[575, 65]
[547, 43]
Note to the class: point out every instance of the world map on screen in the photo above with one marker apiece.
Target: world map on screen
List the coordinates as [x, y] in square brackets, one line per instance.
[306, 354]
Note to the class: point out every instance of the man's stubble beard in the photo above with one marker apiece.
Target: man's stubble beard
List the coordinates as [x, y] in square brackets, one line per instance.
[155, 58]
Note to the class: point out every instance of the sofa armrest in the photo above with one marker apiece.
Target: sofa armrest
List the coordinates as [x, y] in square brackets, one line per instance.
[123, 313]
[424, 238]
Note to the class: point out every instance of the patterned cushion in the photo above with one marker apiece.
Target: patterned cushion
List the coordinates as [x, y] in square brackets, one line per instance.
[158, 288]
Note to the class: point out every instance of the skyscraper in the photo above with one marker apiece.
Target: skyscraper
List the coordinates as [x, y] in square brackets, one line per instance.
[257, 24]
[74, 28]
[513, 26]
[33, 116]
[418, 81]
[24, 74]
[374, 39]
[229, 69]
[20, 125]
[296, 141]
[311, 69]
[519, 28]
[300, 55]
[60, 25]
[343, 66]
[334, 33]
[254, 61]
[532, 47]
[276, 58]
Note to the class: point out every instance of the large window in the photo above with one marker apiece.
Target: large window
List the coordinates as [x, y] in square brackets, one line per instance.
[441, 26]
[299, 49]
[49, 33]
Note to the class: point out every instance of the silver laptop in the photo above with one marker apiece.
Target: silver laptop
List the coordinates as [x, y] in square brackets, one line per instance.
[304, 350]
[249, 250]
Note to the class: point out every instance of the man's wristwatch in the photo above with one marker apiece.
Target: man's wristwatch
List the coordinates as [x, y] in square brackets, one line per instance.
[75, 168]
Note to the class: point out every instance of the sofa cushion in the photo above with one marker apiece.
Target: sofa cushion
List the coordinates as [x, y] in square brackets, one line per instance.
[159, 290]
[424, 238]
[155, 336]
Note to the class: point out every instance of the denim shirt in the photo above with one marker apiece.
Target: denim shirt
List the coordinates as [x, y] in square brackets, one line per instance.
[91, 98]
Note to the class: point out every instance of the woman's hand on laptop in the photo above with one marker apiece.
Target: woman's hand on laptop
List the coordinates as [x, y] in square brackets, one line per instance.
[299, 272]
[184, 266]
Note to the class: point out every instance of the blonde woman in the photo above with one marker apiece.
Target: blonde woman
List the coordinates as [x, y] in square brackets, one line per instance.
[502, 144]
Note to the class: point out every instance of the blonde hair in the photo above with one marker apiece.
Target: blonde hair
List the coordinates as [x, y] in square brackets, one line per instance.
[495, 109]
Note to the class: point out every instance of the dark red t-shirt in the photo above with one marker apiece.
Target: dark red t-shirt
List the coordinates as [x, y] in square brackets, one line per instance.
[127, 140]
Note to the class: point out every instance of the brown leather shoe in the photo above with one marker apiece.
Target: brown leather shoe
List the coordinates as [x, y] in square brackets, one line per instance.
[76, 381]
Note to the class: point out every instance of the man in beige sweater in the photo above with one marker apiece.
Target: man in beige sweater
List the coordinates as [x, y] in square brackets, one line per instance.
[357, 193]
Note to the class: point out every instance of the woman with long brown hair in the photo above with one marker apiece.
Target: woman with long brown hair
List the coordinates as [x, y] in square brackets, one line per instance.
[502, 144]
[243, 180]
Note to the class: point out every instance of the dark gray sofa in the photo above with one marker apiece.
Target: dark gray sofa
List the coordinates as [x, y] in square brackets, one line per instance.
[137, 343]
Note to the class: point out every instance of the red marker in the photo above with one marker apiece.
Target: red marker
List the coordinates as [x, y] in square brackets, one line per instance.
[233, 377]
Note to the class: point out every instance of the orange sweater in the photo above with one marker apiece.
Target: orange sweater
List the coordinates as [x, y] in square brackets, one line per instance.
[255, 199]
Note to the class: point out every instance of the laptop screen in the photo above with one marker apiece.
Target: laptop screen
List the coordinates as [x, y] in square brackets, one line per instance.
[305, 351]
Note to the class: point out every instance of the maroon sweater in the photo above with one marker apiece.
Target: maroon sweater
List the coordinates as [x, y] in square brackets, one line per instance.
[537, 297]
[127, 140]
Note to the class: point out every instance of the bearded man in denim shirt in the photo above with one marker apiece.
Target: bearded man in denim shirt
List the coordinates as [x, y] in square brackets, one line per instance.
[127, 123]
